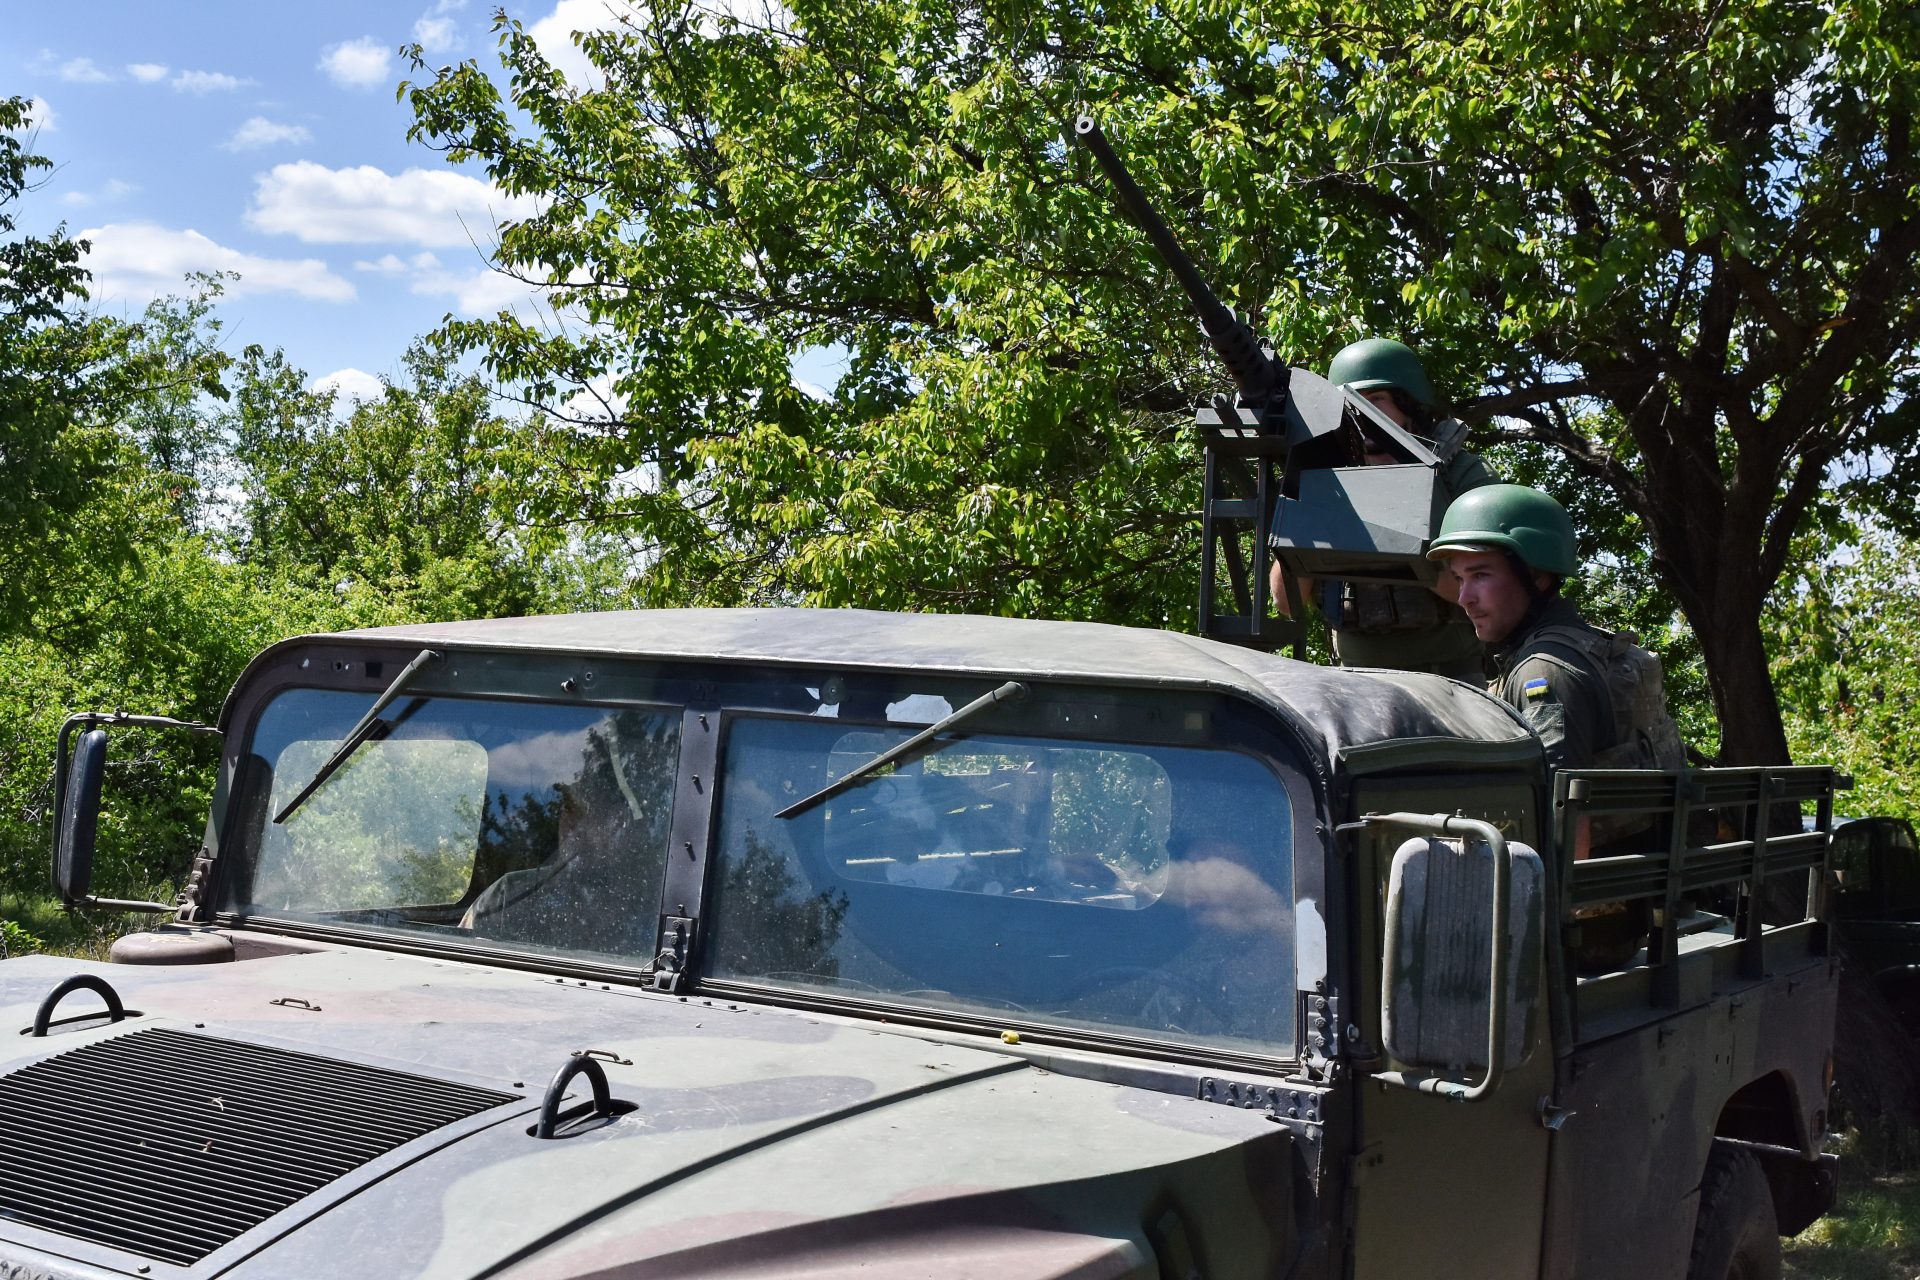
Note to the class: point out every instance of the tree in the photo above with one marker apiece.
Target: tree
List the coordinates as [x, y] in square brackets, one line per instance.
[1670, 245]
[48, 457]
[67, 380]
[722, 206]
[413, 497]
[1845, 635]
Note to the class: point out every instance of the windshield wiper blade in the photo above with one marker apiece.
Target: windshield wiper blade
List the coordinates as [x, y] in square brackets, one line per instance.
[1011, 689]
[359, 733]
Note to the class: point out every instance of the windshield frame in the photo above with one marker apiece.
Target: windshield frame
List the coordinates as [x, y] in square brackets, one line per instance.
[710, 697]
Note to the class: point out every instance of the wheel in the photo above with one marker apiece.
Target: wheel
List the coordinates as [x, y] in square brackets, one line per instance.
[1735, 1236]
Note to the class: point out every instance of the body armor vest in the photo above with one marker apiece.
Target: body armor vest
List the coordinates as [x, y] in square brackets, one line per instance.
[1644, 734]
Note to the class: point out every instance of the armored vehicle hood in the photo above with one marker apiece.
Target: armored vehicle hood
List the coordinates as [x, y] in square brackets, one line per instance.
[1367, 719]
[758, 1142]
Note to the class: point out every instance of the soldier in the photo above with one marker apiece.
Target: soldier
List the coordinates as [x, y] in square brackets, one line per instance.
[1594, 698]
[1374, 625]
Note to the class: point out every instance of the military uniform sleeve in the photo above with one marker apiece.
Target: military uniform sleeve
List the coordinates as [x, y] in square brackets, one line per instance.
[1563, 706]
[1468, 470]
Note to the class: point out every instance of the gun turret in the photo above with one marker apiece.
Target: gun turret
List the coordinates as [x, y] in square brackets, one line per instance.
[1284, 463]
[1252, 367]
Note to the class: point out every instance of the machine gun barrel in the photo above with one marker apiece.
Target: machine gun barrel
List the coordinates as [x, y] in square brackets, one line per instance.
[1256, 373]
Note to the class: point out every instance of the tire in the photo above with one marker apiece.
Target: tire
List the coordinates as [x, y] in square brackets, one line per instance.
[1735, 1236]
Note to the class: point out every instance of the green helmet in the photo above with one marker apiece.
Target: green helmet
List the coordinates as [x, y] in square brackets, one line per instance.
[1509, 517]
[1381, 364]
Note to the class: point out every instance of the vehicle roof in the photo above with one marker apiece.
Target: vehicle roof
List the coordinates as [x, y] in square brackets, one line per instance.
[1368, 719]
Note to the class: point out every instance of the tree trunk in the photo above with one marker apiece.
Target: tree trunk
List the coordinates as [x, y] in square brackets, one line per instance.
[1722, 597]
[1751, 730]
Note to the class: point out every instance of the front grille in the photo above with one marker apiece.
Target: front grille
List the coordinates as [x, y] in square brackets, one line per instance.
[169, 1144]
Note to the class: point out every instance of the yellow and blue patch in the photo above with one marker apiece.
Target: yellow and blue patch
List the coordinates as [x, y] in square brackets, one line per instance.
[1535, 689]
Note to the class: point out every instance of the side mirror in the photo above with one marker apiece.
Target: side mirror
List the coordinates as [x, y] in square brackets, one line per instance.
[76, 817]
[1461, 956]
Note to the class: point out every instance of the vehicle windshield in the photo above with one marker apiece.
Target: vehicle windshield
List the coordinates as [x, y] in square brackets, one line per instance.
[1114, 887]
[530, 825]
[1035, 867]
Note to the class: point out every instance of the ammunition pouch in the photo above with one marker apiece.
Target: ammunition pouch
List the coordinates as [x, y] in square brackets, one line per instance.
[1376, 607]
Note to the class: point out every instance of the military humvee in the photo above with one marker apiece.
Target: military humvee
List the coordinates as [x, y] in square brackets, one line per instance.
[1876, 907]
[806, 943]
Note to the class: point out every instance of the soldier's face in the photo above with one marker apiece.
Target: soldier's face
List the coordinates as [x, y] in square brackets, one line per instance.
[1377, 453]
[1386, 402]
[1491, 593]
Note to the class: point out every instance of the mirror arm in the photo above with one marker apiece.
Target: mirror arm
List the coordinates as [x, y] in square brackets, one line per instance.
[128, 905]
[1501, 961]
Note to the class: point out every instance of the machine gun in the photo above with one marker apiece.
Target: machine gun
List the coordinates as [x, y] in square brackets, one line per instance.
[1285, 467]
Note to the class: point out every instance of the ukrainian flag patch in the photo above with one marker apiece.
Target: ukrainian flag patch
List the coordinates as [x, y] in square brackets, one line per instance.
[1535, 689]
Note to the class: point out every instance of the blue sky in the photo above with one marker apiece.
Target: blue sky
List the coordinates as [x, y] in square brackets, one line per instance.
[265, 139]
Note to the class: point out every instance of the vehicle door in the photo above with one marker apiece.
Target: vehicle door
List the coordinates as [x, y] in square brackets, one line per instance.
[1442, 1187]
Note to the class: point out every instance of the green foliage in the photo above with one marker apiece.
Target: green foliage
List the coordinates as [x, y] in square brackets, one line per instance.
[397, 824]
[414, 498]
[1845, 637]
[35, 922]
[163, 633]
[68, 383]
[125, 581]
[1667, 249]
[16, 941]
[1873, 1232]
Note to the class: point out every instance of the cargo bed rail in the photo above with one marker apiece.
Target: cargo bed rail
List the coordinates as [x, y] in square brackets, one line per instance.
[1726, 840]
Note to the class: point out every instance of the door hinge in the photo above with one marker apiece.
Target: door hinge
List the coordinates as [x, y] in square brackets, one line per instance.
[676, 944]
[1321, 1018]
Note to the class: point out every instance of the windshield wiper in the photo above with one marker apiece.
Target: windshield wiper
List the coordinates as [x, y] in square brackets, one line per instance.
[360, 732]
[1011, 689]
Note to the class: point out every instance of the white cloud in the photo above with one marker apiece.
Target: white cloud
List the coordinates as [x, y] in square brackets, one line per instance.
[481, 292]
[139, 261]
[553, 34]
[259, 131]
[434, 32]
[148, 72]
[365, 205]
[358, 64]
[40, 117]
[351, 384]
[599, 402]
[392, 264]
[114, 189]
[82, 71]
[204, 82]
